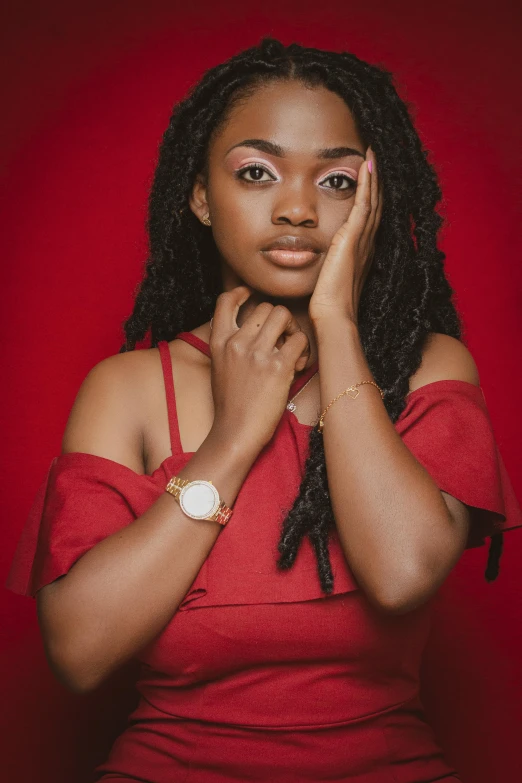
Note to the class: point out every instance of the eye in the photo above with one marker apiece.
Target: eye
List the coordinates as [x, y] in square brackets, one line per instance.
[253, 167]
[352, 183]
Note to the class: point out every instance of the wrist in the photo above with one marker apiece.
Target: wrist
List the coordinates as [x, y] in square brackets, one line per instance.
[225, 439]
[335, 323]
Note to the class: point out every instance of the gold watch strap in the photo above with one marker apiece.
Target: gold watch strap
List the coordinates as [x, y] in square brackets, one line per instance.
[222, 514]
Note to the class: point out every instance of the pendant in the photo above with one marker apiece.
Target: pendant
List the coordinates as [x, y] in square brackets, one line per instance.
[291, 406]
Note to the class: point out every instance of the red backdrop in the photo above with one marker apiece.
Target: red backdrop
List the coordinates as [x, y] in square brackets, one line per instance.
[90, 92]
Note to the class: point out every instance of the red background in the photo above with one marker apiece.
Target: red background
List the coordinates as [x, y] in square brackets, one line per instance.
[89, 94]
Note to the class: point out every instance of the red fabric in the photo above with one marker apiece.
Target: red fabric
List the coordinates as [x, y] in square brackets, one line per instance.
[259, 669]
[446, 426]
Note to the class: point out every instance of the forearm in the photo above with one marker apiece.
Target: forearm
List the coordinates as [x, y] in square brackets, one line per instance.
[391, 517]
[123, 592]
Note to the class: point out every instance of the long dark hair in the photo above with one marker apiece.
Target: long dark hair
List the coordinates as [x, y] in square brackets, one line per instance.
[406, 295]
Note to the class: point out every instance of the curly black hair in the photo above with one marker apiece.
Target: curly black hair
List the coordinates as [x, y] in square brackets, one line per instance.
[406, 295]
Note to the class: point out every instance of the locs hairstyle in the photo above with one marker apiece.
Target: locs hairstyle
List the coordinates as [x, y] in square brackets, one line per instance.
[406, 295]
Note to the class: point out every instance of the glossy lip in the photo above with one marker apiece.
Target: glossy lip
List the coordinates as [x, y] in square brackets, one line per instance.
[292, 258]
[291, 242]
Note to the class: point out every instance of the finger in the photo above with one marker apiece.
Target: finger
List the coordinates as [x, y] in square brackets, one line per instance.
[374, 189]
[373, 195]
[371, 256]
[296, 350]
[278, 327]
[362, 204]
[224, 322]
[254, 321]
[378, 213]
[374, 182]
[349, 234]
[283, 323]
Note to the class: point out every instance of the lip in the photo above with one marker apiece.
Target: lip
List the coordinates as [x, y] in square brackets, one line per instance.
[293, 242]
[291, 258]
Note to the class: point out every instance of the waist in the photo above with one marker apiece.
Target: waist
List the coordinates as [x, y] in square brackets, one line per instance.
[285, 696]
[157, 748]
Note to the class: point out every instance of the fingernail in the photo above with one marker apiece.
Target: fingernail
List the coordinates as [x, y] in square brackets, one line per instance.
[370, 166]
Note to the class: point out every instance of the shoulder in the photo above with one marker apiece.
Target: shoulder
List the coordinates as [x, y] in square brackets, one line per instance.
[118, 376]
[106, 417]
[119, 400]
[135, 377]
[445, 358]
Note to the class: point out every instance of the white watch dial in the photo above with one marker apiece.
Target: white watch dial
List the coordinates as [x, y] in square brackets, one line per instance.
[199, 499]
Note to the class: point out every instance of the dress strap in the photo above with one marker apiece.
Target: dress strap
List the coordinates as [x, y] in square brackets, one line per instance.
[298, 383]
[166, 366]
[201, 345]
[194, 340]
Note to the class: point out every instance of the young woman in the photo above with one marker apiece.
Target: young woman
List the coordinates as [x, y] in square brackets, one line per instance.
[261, 506]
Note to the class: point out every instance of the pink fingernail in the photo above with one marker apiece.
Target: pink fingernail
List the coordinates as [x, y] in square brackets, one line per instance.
[370, 166]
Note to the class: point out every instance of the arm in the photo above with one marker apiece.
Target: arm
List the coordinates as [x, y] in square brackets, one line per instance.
[400, 534]
[122, 592]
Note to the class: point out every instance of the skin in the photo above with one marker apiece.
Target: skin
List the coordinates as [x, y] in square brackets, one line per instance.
[408, 534]
[401, 536]
[306, 312]
[299, 196]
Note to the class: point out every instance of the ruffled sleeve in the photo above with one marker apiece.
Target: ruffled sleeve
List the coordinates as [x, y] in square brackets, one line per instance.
[82, 500]
[446, 425]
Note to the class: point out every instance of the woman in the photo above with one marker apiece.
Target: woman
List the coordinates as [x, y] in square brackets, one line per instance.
[280, 603]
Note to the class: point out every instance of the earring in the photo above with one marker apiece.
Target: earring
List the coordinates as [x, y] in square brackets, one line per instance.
[206, 220]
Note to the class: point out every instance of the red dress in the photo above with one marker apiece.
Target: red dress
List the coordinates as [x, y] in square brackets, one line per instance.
[259, 676]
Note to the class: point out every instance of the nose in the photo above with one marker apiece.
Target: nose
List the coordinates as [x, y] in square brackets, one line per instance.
[295, 204]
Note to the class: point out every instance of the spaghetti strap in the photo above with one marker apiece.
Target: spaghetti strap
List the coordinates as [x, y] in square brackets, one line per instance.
[201, 345]
[194, 340]
[204, 347]
[166, 365]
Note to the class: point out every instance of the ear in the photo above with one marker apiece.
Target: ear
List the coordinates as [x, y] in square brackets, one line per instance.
[198, 197]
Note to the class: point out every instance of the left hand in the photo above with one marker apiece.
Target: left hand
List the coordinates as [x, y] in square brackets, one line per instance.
[347, 263]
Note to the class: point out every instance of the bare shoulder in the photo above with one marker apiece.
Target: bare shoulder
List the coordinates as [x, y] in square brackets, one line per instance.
[106, 418]
[445, 358]
[120, 409]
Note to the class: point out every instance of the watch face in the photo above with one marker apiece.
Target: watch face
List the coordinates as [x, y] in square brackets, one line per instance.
[199, 499]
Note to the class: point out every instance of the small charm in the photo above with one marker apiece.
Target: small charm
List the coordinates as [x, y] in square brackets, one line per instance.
[291, 406]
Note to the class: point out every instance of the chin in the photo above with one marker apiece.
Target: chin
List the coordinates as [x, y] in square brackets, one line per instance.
[271, 291]
[297, 285]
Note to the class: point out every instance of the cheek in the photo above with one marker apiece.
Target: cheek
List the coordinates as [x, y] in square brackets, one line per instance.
[235, 211]
[335, 217]
[236, 236]
[229, 204]
[238, 229]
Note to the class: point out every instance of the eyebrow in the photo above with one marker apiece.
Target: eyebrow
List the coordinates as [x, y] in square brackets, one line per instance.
[270, 148]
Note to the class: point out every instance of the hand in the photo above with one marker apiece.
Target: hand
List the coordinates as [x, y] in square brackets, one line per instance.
[347, 263]
[253, 367]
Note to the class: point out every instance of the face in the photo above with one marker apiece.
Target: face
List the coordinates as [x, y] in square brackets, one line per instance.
[285, 164]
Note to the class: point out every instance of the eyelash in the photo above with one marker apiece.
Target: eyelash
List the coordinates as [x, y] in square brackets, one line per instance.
[239, 173]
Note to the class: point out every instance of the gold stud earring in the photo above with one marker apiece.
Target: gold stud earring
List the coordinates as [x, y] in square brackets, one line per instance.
[206, 220]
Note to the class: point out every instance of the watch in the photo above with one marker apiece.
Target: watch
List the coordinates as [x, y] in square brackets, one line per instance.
[199, 499]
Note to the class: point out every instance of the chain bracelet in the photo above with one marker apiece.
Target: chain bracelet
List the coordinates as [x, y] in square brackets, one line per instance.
[353, 396]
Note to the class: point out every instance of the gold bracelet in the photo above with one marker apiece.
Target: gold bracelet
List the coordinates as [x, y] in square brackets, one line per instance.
[353, 396]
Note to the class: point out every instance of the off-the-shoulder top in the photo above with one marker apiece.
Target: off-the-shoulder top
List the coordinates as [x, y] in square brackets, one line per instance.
[259, 675]
[84, 498]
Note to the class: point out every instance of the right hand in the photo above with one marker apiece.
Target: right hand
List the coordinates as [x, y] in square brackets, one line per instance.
[253, 366]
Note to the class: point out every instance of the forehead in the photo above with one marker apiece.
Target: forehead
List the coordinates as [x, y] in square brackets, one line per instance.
[297, 117]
